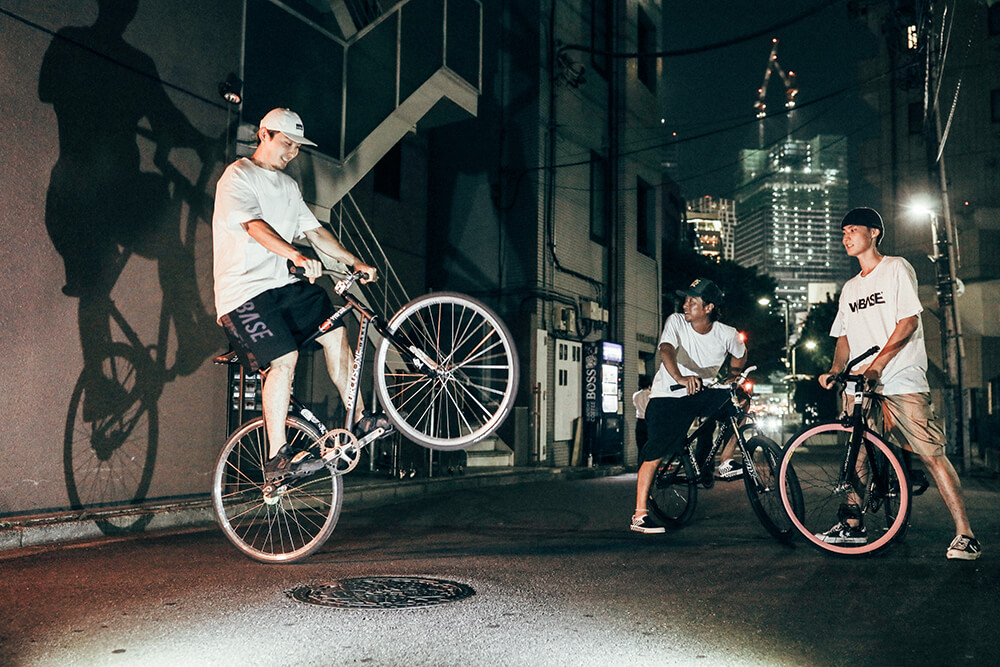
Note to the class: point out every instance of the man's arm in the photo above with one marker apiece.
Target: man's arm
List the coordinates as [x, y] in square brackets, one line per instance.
[737, 364]
[841, 356]
[323, 240]
[266, 236]
[897, 340]
[668, 357]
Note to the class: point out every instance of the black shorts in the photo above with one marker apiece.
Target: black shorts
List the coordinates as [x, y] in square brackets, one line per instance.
[276, 322]
[668, 420]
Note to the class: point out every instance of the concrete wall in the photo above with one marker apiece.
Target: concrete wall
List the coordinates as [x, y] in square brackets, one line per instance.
[86, 191]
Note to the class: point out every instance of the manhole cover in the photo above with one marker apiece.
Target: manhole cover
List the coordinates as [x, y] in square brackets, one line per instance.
[382, 593]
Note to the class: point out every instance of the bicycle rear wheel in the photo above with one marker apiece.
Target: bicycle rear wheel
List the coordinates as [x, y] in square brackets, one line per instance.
[455, 382]
[763, 492]
[673, 494]
[879, 488]
[290, 525]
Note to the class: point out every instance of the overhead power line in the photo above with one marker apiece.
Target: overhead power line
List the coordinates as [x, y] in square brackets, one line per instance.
[707, 47]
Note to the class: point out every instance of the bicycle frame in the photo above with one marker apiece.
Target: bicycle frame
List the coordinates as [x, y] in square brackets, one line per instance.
[367, 319]
[728, 428]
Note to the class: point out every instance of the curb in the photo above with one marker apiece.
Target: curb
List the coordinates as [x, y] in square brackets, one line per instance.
[35, 532]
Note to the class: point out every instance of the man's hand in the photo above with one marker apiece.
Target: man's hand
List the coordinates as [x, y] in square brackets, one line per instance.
[826, 380]
[692, 383]
[873, 374]
[312, 267]
[371, 275]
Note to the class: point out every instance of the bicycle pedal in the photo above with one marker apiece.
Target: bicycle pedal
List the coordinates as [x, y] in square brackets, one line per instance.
[371, 437]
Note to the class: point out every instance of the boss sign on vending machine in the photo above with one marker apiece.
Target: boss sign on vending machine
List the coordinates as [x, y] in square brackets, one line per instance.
[603, 401]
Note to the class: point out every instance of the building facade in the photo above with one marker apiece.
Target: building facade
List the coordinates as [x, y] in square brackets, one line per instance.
[947, 156]
[791, 199]
[480, 143]
[569, 221]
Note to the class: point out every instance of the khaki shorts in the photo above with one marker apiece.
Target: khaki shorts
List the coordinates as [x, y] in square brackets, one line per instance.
[908, 421]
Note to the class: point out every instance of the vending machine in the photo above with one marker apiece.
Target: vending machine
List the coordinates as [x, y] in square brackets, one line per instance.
[603, 402]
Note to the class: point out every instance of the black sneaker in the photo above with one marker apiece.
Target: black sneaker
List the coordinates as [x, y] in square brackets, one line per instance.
[964, 547]
[371, 422]
[918, 482]
[844, 533]
[730, 470]
[285, 463]
[643, 524]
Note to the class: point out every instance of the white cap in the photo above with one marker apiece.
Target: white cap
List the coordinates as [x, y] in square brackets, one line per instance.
[288, 123]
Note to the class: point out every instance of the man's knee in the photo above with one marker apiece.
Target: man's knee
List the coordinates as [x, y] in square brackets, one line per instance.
[284, 365]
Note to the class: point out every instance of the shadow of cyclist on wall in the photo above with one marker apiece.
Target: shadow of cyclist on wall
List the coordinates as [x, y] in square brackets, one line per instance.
[101, 207]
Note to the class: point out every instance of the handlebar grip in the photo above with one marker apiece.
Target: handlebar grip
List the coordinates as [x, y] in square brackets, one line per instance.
[675, 387]
[296, 270]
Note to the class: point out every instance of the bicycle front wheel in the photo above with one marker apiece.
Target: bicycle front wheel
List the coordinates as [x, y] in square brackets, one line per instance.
[289, 525]
[673, 494]
[762, 488]
[453, 379]
[877, 490]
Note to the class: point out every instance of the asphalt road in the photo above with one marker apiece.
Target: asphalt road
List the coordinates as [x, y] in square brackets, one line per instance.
[558, 580]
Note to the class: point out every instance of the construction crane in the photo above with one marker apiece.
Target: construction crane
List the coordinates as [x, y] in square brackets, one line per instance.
[788, 79]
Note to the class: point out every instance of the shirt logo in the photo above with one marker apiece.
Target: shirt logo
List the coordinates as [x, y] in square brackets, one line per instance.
[867, 302]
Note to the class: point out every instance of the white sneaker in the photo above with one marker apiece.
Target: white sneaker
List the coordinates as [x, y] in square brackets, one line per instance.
[730, 469]
[964, 547]
[643, 524]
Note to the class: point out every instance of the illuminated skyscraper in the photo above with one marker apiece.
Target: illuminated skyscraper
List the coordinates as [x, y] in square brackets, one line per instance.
[791, 199]
[713, 223]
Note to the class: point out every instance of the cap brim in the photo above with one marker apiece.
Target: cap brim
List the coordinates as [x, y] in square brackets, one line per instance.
[684, 293]
[299, 139]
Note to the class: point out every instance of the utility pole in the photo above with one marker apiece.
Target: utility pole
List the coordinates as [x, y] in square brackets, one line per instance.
[944, 258]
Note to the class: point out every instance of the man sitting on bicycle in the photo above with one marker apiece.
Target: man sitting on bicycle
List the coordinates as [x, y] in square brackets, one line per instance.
[693, 347]
[880, 306]
[265, 311]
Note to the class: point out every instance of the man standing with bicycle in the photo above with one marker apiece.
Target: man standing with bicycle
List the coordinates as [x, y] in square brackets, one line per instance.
[880, 306]
[265, 311]
[693, 347]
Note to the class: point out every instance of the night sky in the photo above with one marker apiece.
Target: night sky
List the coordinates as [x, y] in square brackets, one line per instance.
[714, 91]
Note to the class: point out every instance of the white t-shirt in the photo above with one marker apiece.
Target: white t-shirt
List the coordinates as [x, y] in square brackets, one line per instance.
[243, 268]
[870, 308]
[640, 400]
[697, 354]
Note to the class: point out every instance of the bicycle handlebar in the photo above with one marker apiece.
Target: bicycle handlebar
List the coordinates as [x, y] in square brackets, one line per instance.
[845, 375]
[740, 379]
[341, 286]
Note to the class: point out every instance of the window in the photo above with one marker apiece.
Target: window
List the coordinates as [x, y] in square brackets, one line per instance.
[600, 35]
[598, 198]
[647, 44]
[645, 218]
[388, 173]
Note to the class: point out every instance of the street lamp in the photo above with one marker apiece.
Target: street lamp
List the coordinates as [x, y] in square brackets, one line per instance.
[951, 330]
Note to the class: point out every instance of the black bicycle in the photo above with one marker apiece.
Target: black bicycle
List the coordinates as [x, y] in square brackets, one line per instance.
[446, 374]
[673, 494]
[842, 471]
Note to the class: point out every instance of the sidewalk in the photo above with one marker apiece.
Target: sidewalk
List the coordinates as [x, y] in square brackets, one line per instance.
[360, 490]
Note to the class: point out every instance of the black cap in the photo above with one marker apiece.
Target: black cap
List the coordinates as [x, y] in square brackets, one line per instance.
[705, 288]
[865, 217]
